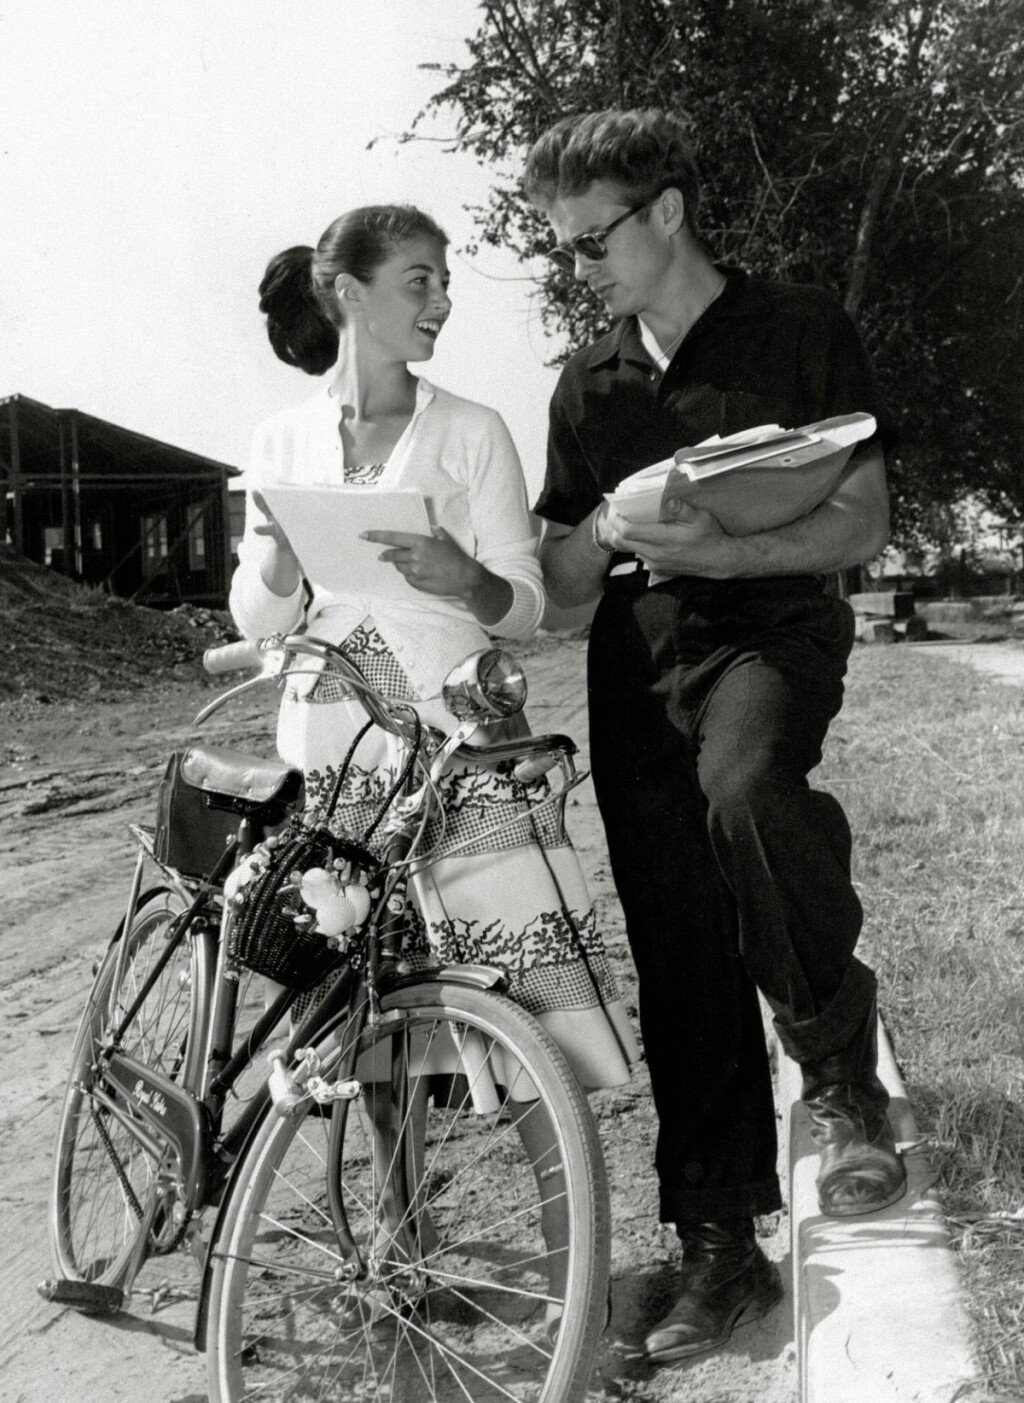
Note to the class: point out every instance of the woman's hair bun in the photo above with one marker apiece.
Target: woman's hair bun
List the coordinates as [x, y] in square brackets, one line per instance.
[298, 330]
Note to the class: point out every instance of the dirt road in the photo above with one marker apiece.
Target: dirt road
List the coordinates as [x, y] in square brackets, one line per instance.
[73, 776]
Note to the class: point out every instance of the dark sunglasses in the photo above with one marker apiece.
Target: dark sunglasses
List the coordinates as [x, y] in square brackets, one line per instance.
[591, 246]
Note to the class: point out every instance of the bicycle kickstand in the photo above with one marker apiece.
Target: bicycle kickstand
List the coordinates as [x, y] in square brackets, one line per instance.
[140, 1251]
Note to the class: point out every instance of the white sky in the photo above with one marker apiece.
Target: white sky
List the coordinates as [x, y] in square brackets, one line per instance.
[155, 153]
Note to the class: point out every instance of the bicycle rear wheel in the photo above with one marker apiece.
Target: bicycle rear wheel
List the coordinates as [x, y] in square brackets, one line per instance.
[396, 1250]
[103, 1180]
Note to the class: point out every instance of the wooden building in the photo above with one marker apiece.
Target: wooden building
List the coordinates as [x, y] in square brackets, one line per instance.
[111, 507]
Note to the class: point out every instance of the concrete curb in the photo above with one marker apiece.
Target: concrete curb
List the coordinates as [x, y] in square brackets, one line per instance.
[878, 1310]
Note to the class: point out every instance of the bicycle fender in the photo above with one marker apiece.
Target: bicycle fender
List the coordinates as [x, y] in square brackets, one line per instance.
[469, 976]
[230, 1184]
[141, 900]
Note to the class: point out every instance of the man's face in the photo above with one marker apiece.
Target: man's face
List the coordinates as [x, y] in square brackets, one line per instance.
[639, 252]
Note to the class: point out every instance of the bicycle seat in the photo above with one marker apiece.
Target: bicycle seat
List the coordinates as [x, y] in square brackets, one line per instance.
[245, 784]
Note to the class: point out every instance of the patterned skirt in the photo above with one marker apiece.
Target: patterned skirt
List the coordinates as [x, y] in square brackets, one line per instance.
[499, 882]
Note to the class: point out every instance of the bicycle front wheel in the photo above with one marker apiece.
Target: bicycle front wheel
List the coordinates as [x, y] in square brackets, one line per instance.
[443, 1237]
[103, 1180]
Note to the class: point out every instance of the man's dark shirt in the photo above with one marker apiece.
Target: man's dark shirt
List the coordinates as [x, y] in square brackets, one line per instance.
[763, 353]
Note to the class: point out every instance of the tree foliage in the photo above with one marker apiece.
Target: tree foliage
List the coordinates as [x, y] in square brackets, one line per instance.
[870, 146]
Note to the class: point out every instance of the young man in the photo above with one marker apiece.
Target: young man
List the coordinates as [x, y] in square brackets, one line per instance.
[710, 696]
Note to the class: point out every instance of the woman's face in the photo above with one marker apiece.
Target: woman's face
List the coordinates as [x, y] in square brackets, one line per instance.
[406, 303]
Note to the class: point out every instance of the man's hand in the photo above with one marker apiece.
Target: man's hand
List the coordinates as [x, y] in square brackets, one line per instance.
[434, 564]
[693, 544]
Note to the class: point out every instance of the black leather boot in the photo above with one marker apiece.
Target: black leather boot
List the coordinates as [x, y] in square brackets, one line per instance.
[860, 1170]
[726, 1281]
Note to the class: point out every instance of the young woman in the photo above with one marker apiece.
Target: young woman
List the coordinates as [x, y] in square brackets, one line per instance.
[369, 299]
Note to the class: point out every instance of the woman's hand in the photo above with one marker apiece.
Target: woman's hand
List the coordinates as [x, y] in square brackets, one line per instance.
[280, 569]
[436, 564]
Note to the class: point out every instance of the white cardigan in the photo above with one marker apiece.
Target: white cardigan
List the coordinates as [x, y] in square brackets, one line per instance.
[457, 453]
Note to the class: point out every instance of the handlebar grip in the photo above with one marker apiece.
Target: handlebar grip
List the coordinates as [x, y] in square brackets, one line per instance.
[233, 657]
[536, 765]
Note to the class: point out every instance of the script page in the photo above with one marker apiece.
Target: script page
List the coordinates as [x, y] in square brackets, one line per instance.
[323, 526]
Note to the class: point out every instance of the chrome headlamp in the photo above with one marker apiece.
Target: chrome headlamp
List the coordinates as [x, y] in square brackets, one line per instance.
[485, 687]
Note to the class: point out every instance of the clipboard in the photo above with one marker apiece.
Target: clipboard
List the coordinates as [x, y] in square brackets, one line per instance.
[323, 525]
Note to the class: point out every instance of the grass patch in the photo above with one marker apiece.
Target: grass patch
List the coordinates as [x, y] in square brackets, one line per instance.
[928, 760]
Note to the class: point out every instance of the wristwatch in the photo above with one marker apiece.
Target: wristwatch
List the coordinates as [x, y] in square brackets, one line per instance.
[608, 550]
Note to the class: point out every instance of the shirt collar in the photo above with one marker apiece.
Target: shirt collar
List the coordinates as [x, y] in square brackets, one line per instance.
[739, 298]
[425, 392]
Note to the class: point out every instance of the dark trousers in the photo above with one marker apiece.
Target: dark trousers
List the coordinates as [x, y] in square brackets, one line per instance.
[709, 703]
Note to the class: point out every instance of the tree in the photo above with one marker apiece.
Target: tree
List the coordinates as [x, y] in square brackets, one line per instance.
[871, 146]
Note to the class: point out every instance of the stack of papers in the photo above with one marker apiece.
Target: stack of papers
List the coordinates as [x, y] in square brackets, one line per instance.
[751, 481]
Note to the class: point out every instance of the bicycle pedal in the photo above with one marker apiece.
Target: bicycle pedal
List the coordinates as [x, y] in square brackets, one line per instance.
[166, 1295]
[87, 1296]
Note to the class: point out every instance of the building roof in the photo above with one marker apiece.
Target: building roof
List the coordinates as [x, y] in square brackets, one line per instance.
[107, 453]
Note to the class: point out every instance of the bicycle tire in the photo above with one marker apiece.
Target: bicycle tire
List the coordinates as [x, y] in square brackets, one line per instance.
[458, 1315]
[98, 1166]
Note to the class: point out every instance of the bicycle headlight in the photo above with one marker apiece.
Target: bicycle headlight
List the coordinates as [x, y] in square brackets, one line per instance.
[485, 687]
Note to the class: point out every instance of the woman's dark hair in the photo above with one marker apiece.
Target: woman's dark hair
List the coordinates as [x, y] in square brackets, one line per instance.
[297, 291]
[642, 152]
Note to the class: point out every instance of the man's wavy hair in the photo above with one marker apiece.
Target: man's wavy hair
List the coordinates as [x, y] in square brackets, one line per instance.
[642, 152]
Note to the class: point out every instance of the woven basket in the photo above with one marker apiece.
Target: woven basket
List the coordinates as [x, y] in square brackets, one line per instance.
[264, 937]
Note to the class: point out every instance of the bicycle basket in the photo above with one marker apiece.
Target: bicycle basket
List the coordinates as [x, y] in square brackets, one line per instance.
[276, 930]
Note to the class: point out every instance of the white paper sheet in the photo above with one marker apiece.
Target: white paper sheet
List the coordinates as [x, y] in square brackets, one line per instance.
[323, 525]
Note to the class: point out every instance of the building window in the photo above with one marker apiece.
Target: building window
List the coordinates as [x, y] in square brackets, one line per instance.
[236, 514]
[197, 545]
[154, 539]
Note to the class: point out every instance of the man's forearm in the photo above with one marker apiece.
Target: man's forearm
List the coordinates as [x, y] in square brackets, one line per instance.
[851, 527]
[834, 537]
[574, 567]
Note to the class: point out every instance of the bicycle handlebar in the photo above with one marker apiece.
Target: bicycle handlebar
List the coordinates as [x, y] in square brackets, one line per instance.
[233, 657]
[534, 755]
[252, 653]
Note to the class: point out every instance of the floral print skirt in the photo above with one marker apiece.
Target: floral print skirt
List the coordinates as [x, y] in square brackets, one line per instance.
[499, 882]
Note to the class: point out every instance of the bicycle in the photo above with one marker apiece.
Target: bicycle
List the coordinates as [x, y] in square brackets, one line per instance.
[381, 1230]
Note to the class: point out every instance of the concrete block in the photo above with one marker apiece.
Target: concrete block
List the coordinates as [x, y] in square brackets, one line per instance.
[913, 629]
[874, 630]
[890, 604]
[877, 1299]
[951, 611]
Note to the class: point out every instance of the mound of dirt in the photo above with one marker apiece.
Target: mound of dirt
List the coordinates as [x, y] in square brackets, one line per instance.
[60, 641]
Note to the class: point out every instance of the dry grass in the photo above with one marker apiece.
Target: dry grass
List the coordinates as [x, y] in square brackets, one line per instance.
[928, 759]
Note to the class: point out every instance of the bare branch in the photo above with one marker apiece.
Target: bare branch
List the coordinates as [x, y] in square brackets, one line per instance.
[530, 66]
